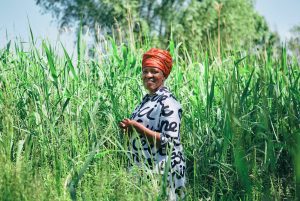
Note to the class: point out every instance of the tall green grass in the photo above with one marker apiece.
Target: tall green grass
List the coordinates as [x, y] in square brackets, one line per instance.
[60, 140]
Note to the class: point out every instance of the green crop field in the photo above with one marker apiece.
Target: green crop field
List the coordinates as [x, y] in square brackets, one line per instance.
[59, 138]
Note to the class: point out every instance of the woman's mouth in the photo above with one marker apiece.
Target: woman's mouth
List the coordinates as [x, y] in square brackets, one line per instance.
[151, 80]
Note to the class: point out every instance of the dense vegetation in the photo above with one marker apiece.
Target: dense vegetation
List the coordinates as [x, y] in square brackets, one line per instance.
[60, 140]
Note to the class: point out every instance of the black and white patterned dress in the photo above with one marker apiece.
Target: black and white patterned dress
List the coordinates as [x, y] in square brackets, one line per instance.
[160, 112]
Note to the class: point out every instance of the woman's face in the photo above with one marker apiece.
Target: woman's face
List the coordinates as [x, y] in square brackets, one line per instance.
[153, 78]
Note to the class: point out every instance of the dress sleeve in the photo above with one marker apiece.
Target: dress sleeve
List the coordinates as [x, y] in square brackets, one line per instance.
[169, 123]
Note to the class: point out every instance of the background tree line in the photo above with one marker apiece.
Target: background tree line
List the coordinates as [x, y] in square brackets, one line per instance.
[193, 22]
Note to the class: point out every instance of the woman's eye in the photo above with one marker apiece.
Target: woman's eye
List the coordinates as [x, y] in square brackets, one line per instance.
[151, 71]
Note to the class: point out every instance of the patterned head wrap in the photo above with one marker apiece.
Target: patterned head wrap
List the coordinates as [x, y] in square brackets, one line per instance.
[158, 58]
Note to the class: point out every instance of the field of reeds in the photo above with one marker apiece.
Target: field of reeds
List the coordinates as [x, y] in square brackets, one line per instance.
[59, 138]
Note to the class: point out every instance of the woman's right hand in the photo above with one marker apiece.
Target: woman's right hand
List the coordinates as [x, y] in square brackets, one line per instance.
[126, 125]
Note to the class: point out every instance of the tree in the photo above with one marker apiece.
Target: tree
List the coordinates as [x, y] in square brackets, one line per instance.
[195, 22]
[294, 41]
[110, 14]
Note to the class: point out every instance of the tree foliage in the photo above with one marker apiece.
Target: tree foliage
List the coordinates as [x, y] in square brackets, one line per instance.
[294, 41]
[191, 21]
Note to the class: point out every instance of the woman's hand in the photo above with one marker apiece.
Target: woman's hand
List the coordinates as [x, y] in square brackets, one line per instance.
[126, 125]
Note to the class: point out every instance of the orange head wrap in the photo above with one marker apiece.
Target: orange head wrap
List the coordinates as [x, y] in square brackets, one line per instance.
[158, 58]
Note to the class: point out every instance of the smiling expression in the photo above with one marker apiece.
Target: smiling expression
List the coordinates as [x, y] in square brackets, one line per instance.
[153, 78]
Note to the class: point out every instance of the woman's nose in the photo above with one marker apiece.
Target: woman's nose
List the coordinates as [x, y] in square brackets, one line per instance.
[148, 74]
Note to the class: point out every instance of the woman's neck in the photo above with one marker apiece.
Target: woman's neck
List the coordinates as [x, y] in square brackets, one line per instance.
[151, 93]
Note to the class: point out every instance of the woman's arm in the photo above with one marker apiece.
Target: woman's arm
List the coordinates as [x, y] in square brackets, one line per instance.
[152, 136]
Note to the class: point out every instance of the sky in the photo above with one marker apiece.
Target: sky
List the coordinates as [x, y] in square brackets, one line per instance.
[15, 16]
[281, 15]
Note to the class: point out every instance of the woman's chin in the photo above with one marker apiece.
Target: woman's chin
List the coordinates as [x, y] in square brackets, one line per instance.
[151, 89]
[149, 86]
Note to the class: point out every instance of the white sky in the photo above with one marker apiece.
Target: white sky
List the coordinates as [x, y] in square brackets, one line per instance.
[280, 14]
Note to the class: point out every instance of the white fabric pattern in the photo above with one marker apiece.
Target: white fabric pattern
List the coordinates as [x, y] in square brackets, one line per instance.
[160, 112]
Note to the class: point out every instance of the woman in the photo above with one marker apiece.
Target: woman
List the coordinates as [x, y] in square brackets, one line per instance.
[157, 120]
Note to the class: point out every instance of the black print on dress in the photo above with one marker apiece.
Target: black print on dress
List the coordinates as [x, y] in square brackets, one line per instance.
[162, 151]
[176, 141]
[145, 100]
[163, 89]
[167, 141]
[167, 126]
[154, 98]
[180, 113]
[161, 99]
[164, 111]
[147, 113]
[143, 142]
[180, 173]
[150, 163]
[173, 97]
[132, 115]
[176, 158]
[138, 144]
[136, 158]
[162, 166]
